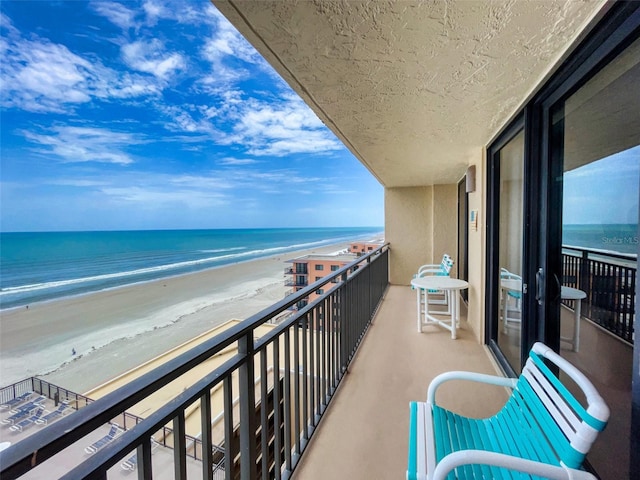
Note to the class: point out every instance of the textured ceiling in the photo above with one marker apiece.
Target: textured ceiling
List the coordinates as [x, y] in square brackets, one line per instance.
[414, 89]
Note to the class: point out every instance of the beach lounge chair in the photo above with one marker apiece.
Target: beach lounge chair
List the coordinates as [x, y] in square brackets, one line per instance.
[543, 430]
[34, 403]
[27, 422]
[98, 444]
[131, 463]
[63, 409]
[20, 414]
[14, 402]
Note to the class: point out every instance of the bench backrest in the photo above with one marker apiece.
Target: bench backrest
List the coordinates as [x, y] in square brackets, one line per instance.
[553, 411]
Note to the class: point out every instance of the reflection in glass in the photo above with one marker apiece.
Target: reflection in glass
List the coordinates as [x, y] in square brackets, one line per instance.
[598, 129]
[510, 256]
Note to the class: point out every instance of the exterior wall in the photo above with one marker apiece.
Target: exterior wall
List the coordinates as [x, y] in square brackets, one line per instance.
[477, 250]
[445, 224]
[421, 225]
[408, 227]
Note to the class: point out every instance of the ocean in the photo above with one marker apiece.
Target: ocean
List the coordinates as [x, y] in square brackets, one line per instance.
[612, 238]
[42, 266]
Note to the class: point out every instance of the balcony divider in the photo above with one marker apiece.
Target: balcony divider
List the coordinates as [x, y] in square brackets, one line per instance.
[274, 390]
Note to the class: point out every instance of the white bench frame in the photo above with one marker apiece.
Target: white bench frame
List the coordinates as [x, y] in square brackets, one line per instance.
[537, 388]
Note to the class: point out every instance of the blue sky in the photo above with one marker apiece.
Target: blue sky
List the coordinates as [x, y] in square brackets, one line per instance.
[158, 114]
[604, 191]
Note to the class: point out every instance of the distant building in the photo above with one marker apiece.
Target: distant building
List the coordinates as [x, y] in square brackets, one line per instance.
[360, 248]
[308, 269]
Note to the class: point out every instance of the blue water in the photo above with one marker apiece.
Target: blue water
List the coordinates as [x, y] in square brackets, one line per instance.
[43, 266]
[619, 238]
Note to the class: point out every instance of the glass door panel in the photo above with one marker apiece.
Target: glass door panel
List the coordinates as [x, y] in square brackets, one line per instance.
[510, 238]
[595, 143]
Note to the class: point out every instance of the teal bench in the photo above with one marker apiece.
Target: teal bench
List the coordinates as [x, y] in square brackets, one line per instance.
[541, 432]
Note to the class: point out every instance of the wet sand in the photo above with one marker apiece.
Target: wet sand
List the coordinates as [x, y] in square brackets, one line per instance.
[116, 330]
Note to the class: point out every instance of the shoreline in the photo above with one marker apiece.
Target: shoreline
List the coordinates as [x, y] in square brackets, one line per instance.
[131, 324]
[284, 252]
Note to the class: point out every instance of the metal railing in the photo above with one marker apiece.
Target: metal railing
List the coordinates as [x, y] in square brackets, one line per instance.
[37, 385]
[293, 370]
[609, 280]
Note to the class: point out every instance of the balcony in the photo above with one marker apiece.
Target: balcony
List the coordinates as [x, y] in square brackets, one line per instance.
[256, 408]
[368, 369]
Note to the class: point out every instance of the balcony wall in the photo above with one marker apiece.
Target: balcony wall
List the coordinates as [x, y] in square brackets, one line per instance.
[420, 223]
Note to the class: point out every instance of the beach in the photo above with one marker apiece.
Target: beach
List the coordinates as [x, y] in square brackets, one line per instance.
[81, 342]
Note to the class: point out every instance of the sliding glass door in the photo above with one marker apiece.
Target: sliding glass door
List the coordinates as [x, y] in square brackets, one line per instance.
[506, 235]
[562, 237]
[595, 150]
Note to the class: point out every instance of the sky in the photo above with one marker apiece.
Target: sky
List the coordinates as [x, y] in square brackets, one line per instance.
[604, 191]
[157, 114]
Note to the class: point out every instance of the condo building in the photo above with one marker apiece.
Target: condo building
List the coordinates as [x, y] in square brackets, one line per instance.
[310, 269]
[360, 248]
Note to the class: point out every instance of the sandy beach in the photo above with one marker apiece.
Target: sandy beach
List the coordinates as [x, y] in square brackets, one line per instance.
[113, 331]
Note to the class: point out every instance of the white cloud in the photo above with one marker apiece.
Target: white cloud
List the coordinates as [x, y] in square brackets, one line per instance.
[151, 57]
[154, 196]
[237, 161]
[282, 128]
[227, 41]
[40, 76]
[116, 13]
[83, 144]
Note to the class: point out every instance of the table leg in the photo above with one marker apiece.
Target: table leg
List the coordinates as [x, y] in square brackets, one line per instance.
[576, 330]
[454, 313]
[505, 298]
[418, 299]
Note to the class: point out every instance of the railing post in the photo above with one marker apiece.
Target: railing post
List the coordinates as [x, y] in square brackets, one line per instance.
[248, 451]
[584, 273]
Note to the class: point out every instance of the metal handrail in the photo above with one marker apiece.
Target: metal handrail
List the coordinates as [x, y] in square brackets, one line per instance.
[336, 322]
[609, 281]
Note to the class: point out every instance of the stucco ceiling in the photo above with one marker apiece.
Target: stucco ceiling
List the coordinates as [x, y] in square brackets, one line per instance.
[414, 89]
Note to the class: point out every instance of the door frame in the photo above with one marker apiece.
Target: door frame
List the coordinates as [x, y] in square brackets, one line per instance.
[617, 28]
[492, 278]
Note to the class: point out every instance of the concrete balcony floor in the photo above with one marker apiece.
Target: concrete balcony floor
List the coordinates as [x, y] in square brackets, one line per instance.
[364, 433]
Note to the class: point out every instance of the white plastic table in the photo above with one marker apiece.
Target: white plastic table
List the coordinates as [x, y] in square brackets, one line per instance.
[508, 284]
[569, 293]
[451, 287]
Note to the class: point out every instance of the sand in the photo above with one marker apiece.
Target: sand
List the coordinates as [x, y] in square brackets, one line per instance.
[115, 330]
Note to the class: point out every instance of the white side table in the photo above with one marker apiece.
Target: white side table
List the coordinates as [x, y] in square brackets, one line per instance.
[451, 287]
[569, 293]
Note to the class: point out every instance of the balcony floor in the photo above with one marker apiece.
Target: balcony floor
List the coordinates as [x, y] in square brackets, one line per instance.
[364, 433]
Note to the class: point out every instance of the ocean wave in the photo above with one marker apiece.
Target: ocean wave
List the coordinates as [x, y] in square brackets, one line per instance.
[220, 250]
[167, 268]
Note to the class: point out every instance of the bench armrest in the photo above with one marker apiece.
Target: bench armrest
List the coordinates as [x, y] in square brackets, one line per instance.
[482, 457]
[471, 376]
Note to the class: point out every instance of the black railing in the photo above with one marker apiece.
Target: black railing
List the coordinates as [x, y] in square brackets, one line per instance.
[609, 280]
[305, 356]
[37, 385]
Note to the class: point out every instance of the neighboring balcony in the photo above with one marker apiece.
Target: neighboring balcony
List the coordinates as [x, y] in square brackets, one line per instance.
[298, 269]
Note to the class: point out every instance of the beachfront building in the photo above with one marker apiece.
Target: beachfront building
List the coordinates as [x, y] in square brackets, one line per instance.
[474, 116]
[309, 269]
[360, 248]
